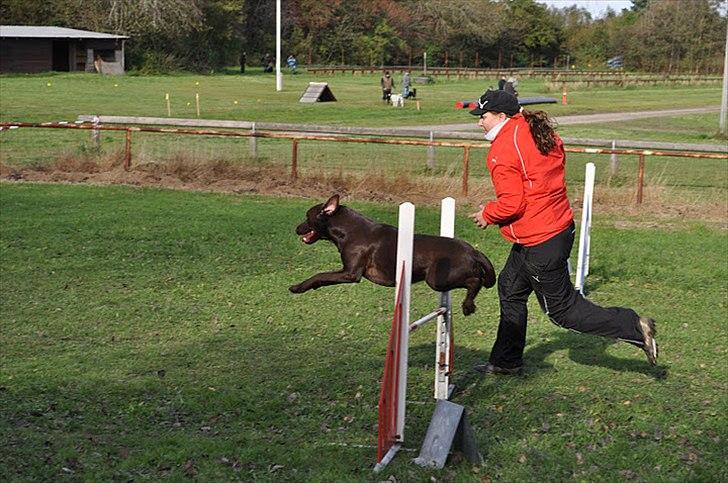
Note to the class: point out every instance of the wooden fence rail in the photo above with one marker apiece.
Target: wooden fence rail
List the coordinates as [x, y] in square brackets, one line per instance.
[380, 132]
[296, 138]
[616, 77]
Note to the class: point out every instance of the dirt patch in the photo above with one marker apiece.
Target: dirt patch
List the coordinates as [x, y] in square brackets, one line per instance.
[662, 205]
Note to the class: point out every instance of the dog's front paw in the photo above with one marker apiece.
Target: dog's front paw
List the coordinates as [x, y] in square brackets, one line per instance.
[298, 288]
[468, 307]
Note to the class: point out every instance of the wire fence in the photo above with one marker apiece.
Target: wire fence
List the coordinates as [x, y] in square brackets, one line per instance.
[401, 152]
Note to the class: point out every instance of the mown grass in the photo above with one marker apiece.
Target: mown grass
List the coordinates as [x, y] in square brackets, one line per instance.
[686, 128]
[149, 334]
[58, 97]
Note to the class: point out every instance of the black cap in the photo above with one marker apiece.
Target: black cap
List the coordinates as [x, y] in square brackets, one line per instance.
[497, 101]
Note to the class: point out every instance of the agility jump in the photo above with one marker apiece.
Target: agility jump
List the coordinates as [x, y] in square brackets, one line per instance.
[392, 402]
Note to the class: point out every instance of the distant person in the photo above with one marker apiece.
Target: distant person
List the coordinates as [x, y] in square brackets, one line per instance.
[243, 60]
[501, 83]
[527, 164]
[510, 86]
[406, 84]
[387, 83]
[267, 63]
[292, 63]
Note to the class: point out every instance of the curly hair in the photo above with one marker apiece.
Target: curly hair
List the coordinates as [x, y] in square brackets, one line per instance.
[542, 130]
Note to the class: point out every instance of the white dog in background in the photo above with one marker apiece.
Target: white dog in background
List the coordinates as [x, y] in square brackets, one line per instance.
[397, 100]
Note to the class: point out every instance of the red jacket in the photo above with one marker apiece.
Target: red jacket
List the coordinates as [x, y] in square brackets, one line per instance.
[531, 204]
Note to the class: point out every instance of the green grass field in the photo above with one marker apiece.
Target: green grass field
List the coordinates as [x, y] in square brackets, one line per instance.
[149, 334]
[57, 97]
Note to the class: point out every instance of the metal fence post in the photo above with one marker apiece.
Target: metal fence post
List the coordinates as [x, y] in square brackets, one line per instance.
[431, 153]
[466, 167]
[96, 134]
[253, 143]
[640, 178]
[294, 159]
[127, 151]
[613, 161]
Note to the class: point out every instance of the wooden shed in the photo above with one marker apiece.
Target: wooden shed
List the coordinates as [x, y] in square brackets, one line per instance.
[42, 49]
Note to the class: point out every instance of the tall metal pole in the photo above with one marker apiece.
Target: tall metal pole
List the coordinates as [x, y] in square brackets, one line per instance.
[724, 98]
[279, 77]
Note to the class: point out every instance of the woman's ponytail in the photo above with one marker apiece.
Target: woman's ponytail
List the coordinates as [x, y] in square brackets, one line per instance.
[542, 130]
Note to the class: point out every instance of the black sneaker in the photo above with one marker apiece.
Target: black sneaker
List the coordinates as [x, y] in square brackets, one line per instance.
[647, 325]
[503, 371]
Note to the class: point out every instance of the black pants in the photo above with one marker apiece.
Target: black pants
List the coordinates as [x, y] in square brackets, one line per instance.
[543, 269]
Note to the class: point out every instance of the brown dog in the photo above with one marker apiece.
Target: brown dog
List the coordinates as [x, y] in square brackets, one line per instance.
[369, 249]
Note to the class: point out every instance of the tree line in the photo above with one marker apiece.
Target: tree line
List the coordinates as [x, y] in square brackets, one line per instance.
[666, 36]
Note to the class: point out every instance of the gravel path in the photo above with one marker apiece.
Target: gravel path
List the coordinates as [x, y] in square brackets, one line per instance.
[579, 119]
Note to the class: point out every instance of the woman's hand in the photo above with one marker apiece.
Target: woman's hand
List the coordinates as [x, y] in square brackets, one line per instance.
[478, 219]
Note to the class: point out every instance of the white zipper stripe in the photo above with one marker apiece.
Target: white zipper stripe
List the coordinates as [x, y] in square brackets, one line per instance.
[523, 165]
[514, 233]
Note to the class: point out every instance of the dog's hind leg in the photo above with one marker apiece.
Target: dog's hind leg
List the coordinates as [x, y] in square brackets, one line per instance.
[473, 285]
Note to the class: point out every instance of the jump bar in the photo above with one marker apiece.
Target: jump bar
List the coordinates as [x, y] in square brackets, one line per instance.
[419, 322]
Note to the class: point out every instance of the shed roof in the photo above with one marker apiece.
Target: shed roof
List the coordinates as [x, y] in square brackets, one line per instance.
[20, 31]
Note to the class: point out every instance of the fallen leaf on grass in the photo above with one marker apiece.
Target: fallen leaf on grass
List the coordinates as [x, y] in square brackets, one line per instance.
[690, 457]
[628, 474]
[273, 468]
[189, 469]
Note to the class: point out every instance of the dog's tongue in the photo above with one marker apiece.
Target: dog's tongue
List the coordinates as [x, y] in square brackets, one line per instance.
[310, 237]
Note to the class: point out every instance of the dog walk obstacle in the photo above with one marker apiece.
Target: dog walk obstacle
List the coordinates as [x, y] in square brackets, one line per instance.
[449, 424]
[582, 264]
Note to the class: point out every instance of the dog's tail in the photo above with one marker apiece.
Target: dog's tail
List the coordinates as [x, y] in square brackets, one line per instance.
[486, 269]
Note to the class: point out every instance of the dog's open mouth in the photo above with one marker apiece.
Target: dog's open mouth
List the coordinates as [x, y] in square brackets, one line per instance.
[310, 237]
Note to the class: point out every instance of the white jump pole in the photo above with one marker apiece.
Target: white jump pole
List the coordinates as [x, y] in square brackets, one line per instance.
[443, 364]
[444, 320]
[405, 241]
[279, 76]
[582, 265]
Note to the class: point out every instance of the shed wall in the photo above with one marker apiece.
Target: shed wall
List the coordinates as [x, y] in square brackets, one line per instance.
[36, 55]
[26, 55]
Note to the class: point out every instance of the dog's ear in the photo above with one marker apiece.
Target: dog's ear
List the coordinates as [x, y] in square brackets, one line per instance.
[331, 206]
